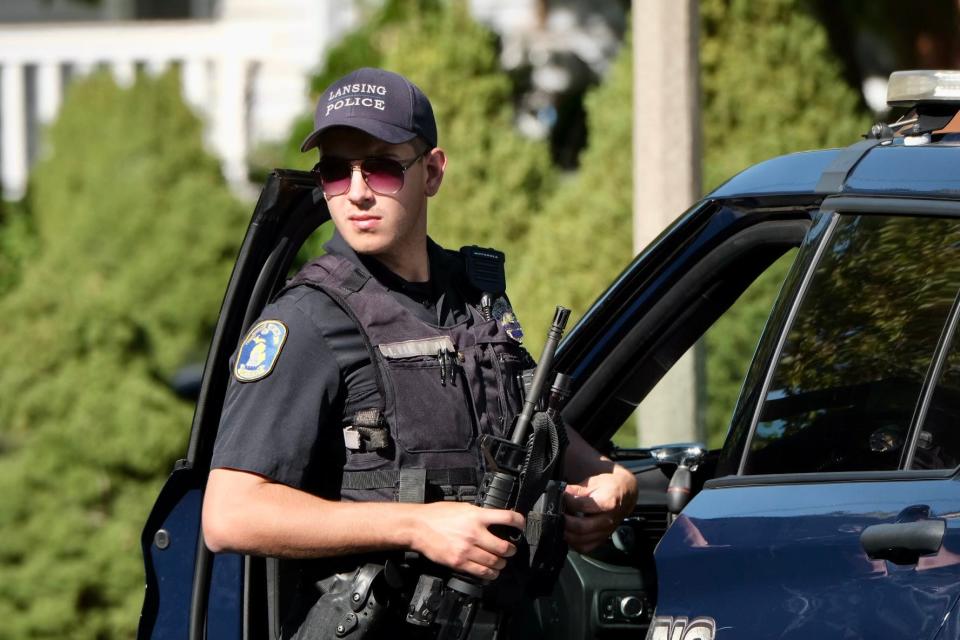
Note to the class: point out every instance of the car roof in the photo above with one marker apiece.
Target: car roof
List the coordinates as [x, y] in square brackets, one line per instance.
[889, 168]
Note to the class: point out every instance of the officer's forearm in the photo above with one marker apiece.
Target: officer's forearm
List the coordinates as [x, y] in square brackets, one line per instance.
[609, 487]
[246, 513]
[582, 461]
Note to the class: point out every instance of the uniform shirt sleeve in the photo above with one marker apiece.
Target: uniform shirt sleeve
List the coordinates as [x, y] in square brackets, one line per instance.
[272, 426]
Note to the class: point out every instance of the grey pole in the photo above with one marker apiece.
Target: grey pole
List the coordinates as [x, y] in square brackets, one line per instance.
[666, 179]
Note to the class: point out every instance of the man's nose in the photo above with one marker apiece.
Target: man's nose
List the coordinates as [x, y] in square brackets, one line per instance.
[359, 193]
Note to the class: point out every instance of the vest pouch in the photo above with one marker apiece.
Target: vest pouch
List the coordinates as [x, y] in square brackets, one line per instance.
[508, 366]
[367, 441]
[431, 395]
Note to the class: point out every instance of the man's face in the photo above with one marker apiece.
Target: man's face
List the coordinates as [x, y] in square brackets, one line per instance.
[385, 226]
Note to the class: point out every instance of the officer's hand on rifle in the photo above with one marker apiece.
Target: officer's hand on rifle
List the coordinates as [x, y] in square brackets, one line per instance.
[596, 506]
[457, 535]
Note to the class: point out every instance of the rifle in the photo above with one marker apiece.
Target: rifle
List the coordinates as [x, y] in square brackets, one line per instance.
[516, 477]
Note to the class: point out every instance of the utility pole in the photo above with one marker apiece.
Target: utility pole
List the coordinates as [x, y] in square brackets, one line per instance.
[666, 180]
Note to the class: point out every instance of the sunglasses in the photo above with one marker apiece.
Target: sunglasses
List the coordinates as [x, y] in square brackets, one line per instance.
[384, 176]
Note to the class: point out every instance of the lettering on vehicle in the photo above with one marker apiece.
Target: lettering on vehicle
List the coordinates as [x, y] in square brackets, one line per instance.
[682, 628]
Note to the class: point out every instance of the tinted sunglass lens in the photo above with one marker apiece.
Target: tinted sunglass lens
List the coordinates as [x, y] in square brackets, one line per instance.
[383, 175]
[334, 175]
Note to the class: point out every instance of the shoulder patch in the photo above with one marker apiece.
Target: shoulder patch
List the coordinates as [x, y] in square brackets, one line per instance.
[260, 350]
[503, 313]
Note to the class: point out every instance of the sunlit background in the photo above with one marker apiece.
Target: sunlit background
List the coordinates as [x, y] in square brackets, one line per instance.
[134, 135]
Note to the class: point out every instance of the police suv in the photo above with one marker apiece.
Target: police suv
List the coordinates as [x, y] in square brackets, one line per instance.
[832, 509]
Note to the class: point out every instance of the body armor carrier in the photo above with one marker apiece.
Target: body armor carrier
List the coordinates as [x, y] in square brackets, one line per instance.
[440, 390]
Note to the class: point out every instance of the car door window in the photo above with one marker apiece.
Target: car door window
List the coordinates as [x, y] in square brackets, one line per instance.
[849, 377]
[725, 353]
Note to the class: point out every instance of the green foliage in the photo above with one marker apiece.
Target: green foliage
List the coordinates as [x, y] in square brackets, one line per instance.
[584, 238]
[771, 85]
[731, 343]
[17, 243]
[496, 180]
[136, 234]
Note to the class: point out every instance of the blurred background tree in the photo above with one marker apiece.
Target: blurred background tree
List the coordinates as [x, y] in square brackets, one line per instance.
[135, 235]
[17, 242]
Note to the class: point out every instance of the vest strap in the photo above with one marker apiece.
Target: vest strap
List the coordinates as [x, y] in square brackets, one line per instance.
[354, 280]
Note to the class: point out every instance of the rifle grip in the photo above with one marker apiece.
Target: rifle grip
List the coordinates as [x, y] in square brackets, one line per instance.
[506, 532]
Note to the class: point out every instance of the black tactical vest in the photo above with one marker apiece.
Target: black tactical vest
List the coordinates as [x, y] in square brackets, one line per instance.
[440, 388]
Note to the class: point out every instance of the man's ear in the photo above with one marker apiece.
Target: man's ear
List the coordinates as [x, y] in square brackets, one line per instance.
[434, 163]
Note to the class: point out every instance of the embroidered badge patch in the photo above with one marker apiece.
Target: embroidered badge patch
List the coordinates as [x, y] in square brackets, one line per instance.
[260, 350]
[504, 314]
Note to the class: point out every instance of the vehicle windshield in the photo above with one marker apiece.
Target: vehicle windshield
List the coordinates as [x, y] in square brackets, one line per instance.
[850, 378]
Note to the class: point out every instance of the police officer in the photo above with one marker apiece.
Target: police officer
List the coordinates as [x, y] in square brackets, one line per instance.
[350, 424]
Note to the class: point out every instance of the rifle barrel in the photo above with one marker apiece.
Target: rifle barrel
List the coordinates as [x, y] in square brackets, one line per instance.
[544, 367]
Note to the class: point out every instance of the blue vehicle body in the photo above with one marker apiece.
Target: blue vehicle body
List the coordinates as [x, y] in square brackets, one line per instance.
[785, 561]
[781, 556]
[751, 556]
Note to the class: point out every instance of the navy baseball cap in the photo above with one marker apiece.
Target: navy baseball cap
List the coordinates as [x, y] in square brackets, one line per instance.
[381, 103]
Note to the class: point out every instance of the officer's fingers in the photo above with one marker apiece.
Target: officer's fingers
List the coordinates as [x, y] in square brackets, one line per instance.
[487, 559]
[502, 516]
[577, 503]
[495, 545]
[479, 571]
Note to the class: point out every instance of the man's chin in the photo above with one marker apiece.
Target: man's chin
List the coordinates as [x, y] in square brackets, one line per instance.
[368, 244]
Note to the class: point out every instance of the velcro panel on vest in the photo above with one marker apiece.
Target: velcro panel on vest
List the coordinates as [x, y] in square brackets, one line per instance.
[368, 432]
[415, 348]
[411, 484]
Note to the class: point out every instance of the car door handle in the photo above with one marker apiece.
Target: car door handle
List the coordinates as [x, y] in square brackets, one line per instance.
[903, 542]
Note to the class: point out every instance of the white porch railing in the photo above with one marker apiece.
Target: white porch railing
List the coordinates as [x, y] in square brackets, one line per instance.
[246, 77]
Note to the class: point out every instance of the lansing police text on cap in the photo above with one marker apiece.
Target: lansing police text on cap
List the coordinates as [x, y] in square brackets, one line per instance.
[381, 103]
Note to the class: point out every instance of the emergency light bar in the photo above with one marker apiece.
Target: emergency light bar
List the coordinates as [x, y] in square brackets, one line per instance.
[910, 88]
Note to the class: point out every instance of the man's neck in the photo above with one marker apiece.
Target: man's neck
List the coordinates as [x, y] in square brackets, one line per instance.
[411, 265]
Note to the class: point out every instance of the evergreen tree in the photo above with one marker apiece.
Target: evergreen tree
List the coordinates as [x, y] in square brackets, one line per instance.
[17, 243]
[136, 235]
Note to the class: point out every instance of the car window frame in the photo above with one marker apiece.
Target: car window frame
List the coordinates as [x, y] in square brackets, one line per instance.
[590, 406]
[832, 208]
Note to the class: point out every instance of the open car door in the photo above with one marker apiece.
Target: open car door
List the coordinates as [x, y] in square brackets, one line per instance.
[190, 592]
